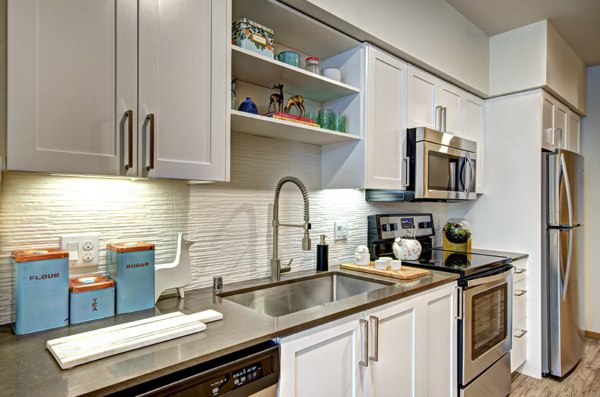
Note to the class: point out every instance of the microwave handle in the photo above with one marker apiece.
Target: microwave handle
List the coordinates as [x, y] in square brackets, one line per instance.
[472, 181]
[406, 172]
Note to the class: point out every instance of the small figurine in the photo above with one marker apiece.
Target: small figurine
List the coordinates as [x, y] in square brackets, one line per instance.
[298, 102]
[276, 99]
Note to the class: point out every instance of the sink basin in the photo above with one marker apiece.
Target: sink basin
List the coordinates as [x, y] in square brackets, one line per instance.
[291, 296]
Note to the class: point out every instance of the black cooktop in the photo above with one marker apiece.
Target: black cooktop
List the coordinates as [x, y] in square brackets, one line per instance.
[466, 264]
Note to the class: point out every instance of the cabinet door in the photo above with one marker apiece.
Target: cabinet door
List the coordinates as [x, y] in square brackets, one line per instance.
[385, 121]
[561, 120]
[473, 129]
[184, 69]
[394, 364]
[548, 133]
[440, 348]
[449, 98]
[322, 361]
[573, 132]
[72, 76]
[421, 99]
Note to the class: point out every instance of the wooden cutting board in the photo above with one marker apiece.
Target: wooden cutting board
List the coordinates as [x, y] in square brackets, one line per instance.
[405, 273]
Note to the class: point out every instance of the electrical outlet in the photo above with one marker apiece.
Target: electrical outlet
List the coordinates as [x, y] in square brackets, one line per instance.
[82, 248]
[340, 231]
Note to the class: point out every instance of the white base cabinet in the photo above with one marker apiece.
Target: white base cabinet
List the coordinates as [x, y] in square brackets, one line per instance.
[518, 354]
[404, 348]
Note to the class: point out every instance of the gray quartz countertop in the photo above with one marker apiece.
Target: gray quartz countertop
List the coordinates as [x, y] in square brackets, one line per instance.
[28, 369]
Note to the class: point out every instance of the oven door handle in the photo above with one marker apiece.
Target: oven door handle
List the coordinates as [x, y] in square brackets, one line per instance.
[459, 304]
[487, 280]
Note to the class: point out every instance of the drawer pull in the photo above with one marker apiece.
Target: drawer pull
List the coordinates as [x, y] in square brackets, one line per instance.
[520, 271]
[520, 292]
[521, 333]
[365, 361]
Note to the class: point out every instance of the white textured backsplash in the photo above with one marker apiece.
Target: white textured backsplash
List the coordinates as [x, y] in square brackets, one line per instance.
[230, 222]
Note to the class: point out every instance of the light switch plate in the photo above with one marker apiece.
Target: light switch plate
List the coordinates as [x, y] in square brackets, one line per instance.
[340, 231]
[82, 247]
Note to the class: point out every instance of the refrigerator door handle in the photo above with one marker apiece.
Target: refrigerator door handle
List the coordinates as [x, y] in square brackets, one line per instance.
[567, 182]
[566, 277]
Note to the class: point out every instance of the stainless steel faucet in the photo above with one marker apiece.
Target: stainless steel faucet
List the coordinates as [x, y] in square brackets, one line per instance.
[276, 268]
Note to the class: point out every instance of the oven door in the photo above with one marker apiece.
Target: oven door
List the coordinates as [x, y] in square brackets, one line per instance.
[444, 172]
[487, 323]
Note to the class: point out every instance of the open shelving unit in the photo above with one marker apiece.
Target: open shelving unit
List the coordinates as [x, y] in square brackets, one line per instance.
[256, 74]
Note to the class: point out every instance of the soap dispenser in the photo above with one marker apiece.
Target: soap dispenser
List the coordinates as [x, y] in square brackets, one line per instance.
[322, 254]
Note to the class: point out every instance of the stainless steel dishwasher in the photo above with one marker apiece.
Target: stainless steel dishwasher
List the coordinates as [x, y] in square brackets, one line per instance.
[253, 371]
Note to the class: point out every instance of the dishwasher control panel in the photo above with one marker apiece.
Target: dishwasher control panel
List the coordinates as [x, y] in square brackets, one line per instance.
[239, 374]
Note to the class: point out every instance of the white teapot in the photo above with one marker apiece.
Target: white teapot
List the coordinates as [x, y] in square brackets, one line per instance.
[407, 248]
[362, 256]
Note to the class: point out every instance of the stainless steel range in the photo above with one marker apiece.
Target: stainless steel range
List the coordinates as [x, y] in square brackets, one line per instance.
[485, 301]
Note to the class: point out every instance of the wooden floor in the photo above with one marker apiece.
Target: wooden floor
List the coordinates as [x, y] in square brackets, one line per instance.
[583, 381]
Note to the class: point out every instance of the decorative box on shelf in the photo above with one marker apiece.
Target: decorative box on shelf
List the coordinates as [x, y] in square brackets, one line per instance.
[253, 37]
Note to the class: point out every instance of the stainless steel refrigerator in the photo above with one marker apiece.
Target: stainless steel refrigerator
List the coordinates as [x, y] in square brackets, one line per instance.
[562, 262]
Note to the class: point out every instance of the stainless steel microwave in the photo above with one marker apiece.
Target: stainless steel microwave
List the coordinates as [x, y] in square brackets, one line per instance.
[438, 166]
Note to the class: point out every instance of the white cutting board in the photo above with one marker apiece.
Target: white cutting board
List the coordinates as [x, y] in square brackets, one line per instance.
[93, 345]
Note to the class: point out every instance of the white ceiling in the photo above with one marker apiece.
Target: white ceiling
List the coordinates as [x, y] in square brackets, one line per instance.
[577, 21]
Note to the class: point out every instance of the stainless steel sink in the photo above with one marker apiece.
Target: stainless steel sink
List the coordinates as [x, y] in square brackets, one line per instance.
[277, 300]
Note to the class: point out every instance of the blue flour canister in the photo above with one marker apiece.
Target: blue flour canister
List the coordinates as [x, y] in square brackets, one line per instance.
[131, 265]
[91, 298]
[42, 289]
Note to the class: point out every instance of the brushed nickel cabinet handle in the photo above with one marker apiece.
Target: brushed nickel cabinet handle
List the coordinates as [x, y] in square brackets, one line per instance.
[520, 292]
[520, 271]
[521, 334]
[129, 115]
[150, 119]
[365, 353]
[375, 356]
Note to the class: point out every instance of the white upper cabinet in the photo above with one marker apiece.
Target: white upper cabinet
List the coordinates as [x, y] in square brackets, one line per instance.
[574, 131]
[183, 88]
[74, 88]
[72, 76]
[450, 98]
[472, 120]
[434, 103]
[423, 110]
[385, 130]
[560, 125]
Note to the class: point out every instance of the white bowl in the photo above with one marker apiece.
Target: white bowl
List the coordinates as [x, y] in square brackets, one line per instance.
[332, 73]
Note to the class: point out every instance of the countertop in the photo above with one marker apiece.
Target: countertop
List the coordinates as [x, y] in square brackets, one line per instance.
[28, 369]
[514, 256]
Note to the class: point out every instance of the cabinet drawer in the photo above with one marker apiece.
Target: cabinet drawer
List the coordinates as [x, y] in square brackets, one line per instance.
[519, 300]
[519, 270]
[518, 354]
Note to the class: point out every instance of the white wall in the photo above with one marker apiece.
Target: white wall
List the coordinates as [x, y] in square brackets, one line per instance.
[229, 221]
[518, 59]
[590, 144]
[428, 33]
[536, 56]
[508, 216]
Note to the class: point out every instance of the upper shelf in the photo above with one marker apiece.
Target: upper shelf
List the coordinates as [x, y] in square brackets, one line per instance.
[273, 128]
[260, 70]
[294, 29]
